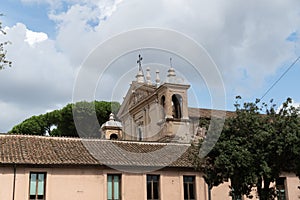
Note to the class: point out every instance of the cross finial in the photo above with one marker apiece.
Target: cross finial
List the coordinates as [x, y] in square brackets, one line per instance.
[171, 64]
[140, 75]
[139, 61]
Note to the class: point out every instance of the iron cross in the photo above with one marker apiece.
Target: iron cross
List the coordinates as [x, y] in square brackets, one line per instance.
[139, 61]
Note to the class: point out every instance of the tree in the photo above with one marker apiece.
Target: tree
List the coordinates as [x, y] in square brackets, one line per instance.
[83, 113]
[278, 145]
[88, 116]
[66, 125]
[254, 149]
[49, 122]
[30, 126]
[3, 61]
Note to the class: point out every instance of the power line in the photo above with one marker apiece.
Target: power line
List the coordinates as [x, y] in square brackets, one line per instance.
[285, 72]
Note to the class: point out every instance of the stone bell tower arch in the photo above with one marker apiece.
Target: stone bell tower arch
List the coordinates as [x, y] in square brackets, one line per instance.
[173, 99]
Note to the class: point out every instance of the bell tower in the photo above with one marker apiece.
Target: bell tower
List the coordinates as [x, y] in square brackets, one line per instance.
[172, 95]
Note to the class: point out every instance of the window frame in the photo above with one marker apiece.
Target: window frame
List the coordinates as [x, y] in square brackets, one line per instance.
[281, 188]
[37, 184]
[112, 189]
[193, 183]
[152, 186]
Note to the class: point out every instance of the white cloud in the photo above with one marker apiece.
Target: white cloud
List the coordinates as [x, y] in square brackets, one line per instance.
[108, 7]
[40, 78]
[35, 37]
[238, 35]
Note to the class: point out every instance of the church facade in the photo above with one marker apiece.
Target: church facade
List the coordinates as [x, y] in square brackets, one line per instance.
[157, 110]
[153, 111]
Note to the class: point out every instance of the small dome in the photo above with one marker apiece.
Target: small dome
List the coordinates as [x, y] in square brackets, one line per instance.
[112, 123]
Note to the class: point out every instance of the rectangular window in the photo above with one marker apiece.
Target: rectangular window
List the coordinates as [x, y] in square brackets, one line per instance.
[153, 187]
[189, 187]
[113, 187]
[37, 185]
[280, 188]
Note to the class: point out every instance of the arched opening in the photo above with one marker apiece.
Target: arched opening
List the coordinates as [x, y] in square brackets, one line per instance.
[162, 103]
[113, 136]
[176, 106]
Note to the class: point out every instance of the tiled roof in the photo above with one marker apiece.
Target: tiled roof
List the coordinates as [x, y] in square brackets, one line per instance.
[208, 113]
[24, 149]
[42, 150]
[136, 153]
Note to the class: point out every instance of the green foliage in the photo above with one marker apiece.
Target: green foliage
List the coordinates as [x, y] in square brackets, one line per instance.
[3, 61]
[29, 126]
[254, 149]
[87, 115]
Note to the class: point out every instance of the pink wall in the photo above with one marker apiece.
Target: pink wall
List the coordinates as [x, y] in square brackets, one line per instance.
[90, 184]
[6, 183]
[292, 183]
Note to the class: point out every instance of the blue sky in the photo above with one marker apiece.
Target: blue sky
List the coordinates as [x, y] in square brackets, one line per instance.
[34, 15]
[252, 43]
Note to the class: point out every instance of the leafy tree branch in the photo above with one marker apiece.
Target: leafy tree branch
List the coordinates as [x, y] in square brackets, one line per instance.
[3, 60]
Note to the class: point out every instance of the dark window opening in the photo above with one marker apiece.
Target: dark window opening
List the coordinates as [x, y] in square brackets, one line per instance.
[163, 102]
[280, 188]
[113, 136]
[140, 133]
[152, 187]
[176, 106]
[189, 187]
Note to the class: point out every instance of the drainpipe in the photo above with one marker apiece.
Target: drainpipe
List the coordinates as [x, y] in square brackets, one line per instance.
[209, 191]
[14, 182]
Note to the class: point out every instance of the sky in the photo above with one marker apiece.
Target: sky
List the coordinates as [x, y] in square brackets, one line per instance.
[250, 43]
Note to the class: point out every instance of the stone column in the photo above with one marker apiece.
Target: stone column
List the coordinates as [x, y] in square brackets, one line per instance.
[168, 104]
[185, 113]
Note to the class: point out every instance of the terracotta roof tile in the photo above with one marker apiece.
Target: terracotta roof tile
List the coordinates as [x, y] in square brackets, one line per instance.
[43, 150]
[135, 153]
[208, 113]
[24, 149]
